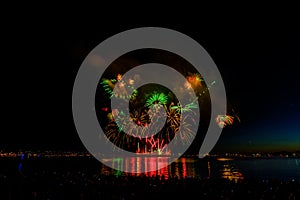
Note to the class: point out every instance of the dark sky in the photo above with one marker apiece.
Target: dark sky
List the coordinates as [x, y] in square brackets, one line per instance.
[258, 59]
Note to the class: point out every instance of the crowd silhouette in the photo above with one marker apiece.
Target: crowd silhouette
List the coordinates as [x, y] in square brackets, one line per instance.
[75, 184]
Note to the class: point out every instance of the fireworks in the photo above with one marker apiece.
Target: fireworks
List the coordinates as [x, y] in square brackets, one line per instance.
[157, 98]
[187, 108]
[224, 120]
[119, 88]
[155, 115]
[156, 145]
[194, 80]
[108, 86]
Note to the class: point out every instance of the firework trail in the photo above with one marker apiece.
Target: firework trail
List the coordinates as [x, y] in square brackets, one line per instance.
[236, 116]
[185, 132]
[186, 108]
[156, 144]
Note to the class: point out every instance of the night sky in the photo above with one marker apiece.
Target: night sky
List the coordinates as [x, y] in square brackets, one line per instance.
[257, 58]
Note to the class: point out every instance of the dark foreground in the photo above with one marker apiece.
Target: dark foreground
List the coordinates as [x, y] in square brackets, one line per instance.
[85, 179]
[78, 185]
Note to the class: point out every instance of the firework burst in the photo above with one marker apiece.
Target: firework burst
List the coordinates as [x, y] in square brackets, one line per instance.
[224, 120]
[157, 98]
